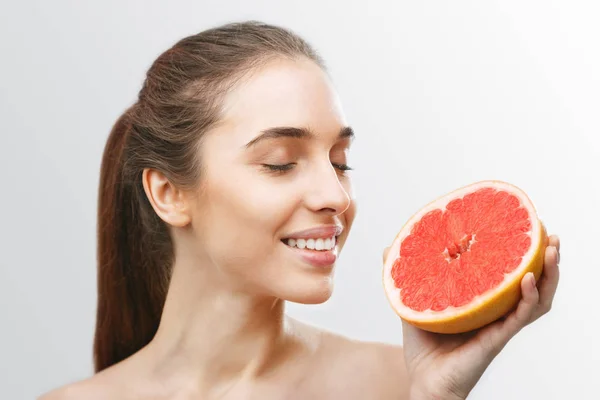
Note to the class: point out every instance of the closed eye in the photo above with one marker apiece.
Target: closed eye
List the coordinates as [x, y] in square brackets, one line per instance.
[342, 167]
[279, 167]
[286, 167]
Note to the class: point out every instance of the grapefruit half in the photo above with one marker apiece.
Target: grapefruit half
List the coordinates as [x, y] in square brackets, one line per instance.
[457, 264]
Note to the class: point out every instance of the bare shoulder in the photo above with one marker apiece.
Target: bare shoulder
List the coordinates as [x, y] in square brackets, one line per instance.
[89, 389]
[67, 392]
[375, 369]
[384, 361]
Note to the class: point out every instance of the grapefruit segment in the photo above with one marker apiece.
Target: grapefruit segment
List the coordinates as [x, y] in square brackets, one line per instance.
[457, 264]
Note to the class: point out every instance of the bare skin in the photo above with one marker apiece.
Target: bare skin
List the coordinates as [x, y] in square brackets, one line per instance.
[224, 333]
[333, 367]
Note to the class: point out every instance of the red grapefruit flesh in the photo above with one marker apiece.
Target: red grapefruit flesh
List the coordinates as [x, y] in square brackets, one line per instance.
[457, 264]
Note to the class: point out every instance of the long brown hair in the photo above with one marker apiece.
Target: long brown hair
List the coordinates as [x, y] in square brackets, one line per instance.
[180, 100]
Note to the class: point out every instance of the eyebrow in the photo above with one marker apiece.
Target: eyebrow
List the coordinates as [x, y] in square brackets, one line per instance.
[298, 133]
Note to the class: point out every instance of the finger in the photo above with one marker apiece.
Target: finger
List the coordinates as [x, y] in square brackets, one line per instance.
[526, 308]
[549, 281]
[385, 253]
[554, 241]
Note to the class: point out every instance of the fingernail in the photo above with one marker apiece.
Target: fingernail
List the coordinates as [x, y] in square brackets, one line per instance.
[532, 280]
[557, 255]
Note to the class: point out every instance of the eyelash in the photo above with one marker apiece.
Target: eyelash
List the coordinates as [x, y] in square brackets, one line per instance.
[280, 168]
[342, 167]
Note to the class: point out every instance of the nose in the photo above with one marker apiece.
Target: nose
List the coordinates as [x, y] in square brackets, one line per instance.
[326, 192]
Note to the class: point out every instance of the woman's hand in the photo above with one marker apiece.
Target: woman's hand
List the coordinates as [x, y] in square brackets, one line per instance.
[449, 366]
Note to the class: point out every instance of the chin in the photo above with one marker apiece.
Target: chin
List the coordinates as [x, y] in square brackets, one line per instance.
[313, 293]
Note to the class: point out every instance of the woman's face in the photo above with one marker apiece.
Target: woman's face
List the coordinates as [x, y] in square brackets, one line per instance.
[275, 204]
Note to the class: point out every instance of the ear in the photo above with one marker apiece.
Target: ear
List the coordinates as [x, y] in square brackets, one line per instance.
[169, 202]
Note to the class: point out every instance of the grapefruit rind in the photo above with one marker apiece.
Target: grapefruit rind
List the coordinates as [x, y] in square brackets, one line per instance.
[487, 307]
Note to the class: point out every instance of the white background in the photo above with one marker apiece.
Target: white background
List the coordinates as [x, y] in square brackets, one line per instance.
[441, 94]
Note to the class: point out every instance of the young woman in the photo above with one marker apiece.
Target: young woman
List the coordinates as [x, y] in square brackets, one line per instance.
[224, 193]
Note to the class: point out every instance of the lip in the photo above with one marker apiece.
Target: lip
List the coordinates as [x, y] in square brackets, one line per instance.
[316, 258]
[318, 232]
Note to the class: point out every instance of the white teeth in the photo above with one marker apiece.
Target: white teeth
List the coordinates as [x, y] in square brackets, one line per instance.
[313, 244]
[319, 244]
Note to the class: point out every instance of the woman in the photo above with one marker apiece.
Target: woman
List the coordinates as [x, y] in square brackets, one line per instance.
[215, 185]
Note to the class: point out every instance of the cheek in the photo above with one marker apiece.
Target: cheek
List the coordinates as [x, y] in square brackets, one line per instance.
[349, 215]
[241, 219]
[348, 218]
[351, 210]
[348, 187]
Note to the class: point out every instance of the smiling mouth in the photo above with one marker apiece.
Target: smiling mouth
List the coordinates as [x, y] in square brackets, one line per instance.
[317, 244]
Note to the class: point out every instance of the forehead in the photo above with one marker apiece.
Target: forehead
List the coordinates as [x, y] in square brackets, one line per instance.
[283, 93]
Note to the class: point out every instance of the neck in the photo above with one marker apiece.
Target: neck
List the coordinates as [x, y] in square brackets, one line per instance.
[214, 335]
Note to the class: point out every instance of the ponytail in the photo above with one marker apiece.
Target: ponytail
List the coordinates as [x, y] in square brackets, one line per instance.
[181, 98]
[131, 283]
